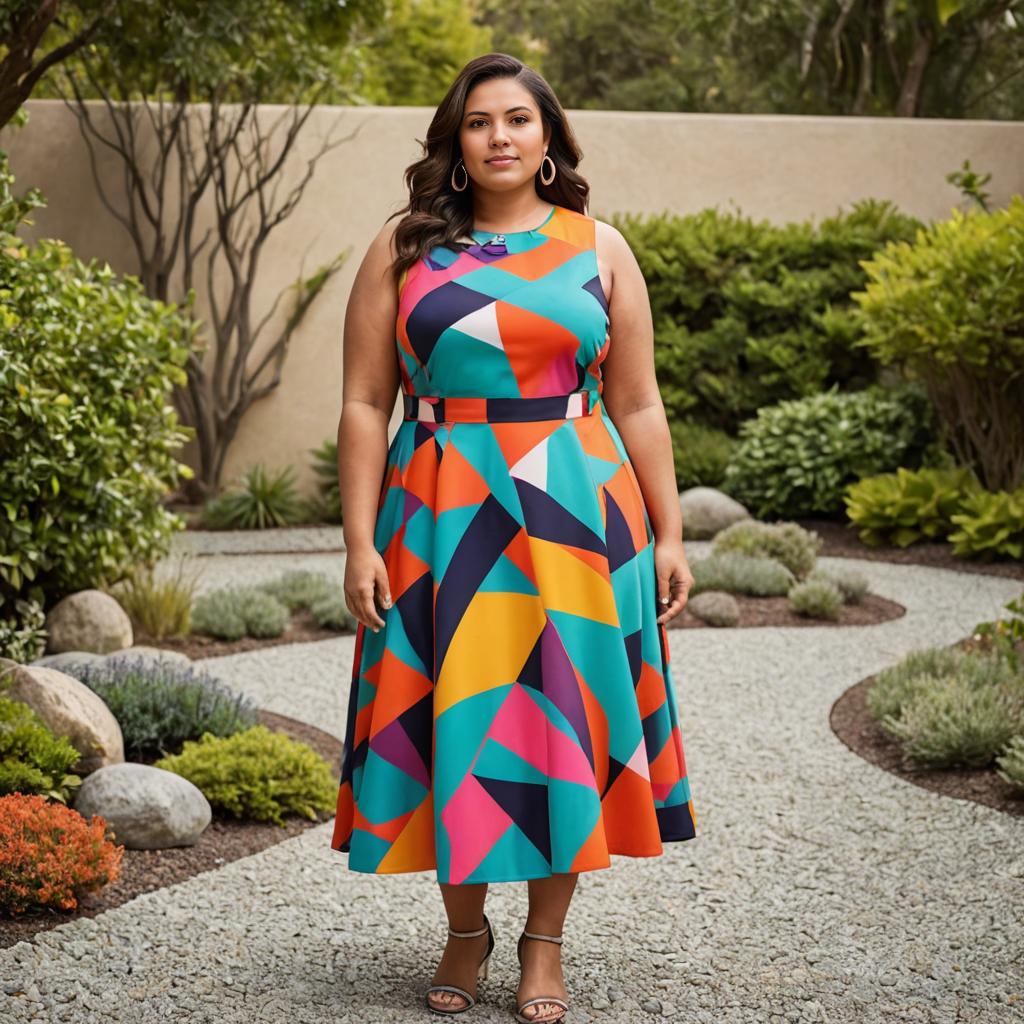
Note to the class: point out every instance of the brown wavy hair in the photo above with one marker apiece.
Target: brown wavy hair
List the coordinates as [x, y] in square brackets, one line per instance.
[438, 215]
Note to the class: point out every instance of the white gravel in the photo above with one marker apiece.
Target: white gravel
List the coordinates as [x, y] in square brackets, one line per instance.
[820, 888]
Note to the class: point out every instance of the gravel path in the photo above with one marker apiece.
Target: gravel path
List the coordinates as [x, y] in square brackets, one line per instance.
[820, 888]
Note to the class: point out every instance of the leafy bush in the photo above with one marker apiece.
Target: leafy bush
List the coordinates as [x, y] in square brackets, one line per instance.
[233, 612]
[1006, 633]
[748, 314]
[300, 588]
[817, 599]
[990, 525]
[32, 759]
[331, 612]
[50, 856]
[738, 573]
[789, 543]
[87, 434]
[261, 501]
[850, 583]
[904, 507]
[161, 706]
[257, 774]
[23, 634]
[1011, 764]
[949, 309]
[701, 454]
[798, 457]
[159, 606]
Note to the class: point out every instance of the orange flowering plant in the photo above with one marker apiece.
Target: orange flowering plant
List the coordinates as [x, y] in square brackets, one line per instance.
[50, 855]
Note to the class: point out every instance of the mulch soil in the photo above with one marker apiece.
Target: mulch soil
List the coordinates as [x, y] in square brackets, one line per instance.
[226, 839]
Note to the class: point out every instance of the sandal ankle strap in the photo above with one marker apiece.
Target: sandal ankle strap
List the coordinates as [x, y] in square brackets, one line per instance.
[470, 935]
[548, 938]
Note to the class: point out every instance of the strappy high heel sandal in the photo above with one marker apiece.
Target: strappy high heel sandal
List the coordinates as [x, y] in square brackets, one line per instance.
[481, 972]
[539, 1019]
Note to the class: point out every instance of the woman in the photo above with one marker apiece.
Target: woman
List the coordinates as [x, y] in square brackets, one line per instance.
[511, 714]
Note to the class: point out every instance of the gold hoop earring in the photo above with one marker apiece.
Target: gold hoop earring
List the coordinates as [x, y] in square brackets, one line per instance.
[465, 172]
[554, 170]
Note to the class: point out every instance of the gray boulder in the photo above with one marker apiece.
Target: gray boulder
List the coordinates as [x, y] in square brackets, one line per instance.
[715, 607]
[148, 808]
[706, 510]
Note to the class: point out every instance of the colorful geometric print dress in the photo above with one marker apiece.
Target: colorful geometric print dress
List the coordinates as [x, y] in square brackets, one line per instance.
[515, 717]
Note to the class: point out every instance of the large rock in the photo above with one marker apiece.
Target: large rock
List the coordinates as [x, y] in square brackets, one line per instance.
[58, 661]
[148, 808]
[68, 708]
[715, 607]
[149, 656]
[88, 621]
[706, 510]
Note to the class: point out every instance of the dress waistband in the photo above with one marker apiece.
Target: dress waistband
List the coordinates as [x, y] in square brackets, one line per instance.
[470, 409]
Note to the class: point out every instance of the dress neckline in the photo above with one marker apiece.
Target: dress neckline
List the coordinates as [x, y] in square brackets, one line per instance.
[507, 234]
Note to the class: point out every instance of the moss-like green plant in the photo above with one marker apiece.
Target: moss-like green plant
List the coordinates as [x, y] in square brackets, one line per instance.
[738, 573]
[235, 611]
[257, 774]
[789, 543]
[853, 585]
[161, 705]
[32, 758]
[953, 722]
[300, 588]
[817, 599]
[331, 612]
[898, 684]
[1011, 765]
[261, 500]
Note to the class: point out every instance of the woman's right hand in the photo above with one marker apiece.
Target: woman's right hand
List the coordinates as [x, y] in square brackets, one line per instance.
[366, 576]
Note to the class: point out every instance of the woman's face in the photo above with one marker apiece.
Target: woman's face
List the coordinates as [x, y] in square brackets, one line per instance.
[501, 118]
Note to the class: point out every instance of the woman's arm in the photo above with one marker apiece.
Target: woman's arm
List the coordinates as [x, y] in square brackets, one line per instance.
[370, 383]
[631, 396]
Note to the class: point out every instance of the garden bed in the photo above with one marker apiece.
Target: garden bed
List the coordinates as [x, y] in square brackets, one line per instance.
[224, 840]
[852, 721]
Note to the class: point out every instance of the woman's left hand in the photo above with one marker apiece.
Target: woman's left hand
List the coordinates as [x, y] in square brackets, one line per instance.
[674, 578]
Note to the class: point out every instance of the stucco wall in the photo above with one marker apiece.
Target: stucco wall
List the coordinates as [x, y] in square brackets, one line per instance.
[776, 167]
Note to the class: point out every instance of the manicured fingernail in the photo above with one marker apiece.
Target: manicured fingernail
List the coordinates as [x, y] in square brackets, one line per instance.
[387, 601]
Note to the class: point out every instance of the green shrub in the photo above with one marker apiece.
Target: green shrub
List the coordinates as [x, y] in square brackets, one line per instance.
[817, 599]
[159, 606]
[331, 612]
[233, 612]
[257, 774]
[990, 525]
[949, 309]
[904, 507]
[23, 634]
[798, 457]
[850, 583]
[737, 573]
[900, 683]
[159, 706]
[1006, 633]
[88, 436]
[300, 588]
[1011, 764]
[789, 543]
[701, 454]
[326, 506]
[260, 501]
[748, 314]
[954, 722]
[32, 759]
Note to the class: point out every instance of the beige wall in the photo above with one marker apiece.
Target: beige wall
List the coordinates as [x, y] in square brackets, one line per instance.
[776, 167]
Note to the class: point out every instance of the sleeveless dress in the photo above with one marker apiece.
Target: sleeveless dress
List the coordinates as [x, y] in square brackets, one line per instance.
[516, 716]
